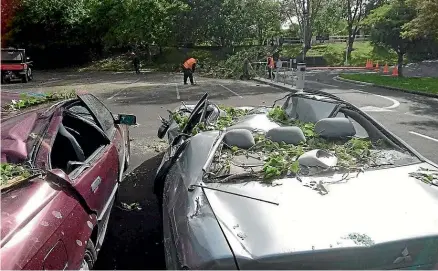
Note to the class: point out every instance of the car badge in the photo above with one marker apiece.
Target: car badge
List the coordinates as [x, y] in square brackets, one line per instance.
[405, 257]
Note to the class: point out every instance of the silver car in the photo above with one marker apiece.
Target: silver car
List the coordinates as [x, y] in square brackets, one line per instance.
[312, 184]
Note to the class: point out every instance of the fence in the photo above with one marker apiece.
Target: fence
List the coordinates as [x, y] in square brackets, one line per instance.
[282, 75]
[319, 39]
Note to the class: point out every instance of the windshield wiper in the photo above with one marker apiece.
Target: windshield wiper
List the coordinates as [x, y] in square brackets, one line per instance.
[192, 187]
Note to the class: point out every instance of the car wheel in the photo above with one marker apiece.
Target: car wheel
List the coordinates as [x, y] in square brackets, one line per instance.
[29, 74]
[90, 257]
[25, 78]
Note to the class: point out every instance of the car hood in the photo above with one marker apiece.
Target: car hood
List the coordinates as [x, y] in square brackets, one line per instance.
[19, 132]
[20, 205]
[376, 220]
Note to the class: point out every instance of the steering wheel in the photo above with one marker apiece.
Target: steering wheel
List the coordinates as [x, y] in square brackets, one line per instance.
[198, 109]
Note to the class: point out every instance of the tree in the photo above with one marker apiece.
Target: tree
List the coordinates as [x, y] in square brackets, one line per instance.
[330, 21]
[426, 21]
[9, 8]
[385, 24]
[306, 12]
[264, 18]
[354, 11]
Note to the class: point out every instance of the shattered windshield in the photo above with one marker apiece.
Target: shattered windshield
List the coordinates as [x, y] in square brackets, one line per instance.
[307, 137]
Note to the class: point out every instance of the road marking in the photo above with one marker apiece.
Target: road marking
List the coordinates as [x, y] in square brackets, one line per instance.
[177, 91]
[424, 136]
[357, 84]
[118, 92]
[230, 91]
[395, 103]
[374, 109]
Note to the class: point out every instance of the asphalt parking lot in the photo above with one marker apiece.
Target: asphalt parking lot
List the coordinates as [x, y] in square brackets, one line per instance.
[133, 239]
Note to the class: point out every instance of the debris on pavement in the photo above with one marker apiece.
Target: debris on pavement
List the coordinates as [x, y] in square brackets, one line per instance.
[148, 145]
[130, 207]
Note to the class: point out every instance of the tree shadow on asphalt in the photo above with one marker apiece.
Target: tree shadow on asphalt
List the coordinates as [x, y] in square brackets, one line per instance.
[422, 125]
[135, 95]
[71, 79]
[134, 238]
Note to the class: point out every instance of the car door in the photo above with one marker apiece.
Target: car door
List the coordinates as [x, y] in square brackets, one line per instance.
[106, 121]
[97, 178]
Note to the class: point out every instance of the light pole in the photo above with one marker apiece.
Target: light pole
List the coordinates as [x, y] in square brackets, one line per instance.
[304, 31]
[346, 55]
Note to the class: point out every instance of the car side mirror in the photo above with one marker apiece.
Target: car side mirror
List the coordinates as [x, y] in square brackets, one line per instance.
[58, 177]
[126, 119]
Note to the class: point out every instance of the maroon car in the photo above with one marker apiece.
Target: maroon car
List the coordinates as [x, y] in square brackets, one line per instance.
[76, 152]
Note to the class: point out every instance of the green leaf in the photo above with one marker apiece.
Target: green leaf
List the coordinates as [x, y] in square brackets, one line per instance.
[295, 167]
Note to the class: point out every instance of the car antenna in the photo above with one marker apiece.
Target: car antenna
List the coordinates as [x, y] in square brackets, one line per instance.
[192, 187]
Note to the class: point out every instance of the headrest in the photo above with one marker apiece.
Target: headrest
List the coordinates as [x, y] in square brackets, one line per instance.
[240, 138]
[289, 135]
[335, 127]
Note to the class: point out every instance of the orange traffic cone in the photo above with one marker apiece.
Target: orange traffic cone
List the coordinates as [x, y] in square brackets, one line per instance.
[386, 69]
[395, 71]
[367, 65]
[370, 64]
[377, 66]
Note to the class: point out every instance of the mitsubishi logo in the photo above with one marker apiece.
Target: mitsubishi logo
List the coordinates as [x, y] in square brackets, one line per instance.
[405, 257]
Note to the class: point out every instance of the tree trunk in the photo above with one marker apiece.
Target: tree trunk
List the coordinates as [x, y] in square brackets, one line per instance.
[148, 53]
[400, 64]
[350, 43]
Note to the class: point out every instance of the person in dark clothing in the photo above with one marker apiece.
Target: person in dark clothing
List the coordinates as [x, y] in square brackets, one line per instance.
[246, 68]
[136, 63]
[188, 69]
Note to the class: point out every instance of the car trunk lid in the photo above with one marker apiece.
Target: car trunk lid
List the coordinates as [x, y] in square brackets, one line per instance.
[382, 219]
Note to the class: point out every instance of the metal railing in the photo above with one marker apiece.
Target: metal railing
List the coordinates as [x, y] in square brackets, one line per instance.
[284, 75]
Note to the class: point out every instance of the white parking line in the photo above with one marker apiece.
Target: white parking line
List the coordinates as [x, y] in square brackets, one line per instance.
[230, 91]
[424, 136]
[177, 91]
[118, 92]
[395, 103]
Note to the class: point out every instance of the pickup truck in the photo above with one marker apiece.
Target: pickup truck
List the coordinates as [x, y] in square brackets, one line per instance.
[15, 65]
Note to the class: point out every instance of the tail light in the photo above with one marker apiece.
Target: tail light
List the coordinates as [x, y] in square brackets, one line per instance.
[24, 66]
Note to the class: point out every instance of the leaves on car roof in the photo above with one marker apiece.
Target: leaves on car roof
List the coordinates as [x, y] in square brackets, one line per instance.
[278, 160]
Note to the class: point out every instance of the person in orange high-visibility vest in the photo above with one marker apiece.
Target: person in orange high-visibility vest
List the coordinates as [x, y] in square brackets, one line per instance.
[271, 66]
[188, 69]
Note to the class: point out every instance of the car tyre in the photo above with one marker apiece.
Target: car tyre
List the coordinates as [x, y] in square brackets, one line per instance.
[25, 78]
[29, 74]
[90, 256]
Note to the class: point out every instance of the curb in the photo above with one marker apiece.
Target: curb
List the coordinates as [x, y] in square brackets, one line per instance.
[273, 84]
[431, 95]
[337, 68]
